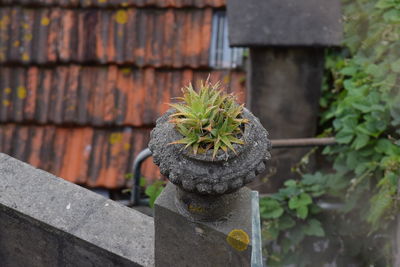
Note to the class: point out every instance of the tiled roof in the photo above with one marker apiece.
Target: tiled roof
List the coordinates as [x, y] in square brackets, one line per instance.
[119, 3]
[85, 155]
[81, 85]
[143, 37]
[96, 96]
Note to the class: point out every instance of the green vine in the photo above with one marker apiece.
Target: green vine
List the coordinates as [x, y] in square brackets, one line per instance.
[290, 216]
[361, 108]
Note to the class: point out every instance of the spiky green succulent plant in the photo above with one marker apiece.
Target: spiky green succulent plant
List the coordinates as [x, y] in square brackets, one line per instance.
[208, 119]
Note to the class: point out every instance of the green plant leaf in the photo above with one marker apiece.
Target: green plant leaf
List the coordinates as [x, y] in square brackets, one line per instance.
[270, 208]
[142, 182]
[314, 209]
[314, 228]
[153, 191]
[302, 212]
[286, 244]
[290, 183]
[344, 137]
[271, 231]
[360, 141]
[286, 222]
[296, 235]
[393, 15]
[383, 4]
[384, 146]
[301, 200]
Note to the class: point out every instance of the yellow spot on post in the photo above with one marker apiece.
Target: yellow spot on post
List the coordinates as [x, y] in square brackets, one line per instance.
[25, 56]
[7, 90]
[6, 103]
[25, 26]
[121, 17]
[21, 92]
[238, 239]
[28, 37]
[17, 43]
[115, 138]
[102, 1]
[195, 209]
[124, 4]
[45, 21]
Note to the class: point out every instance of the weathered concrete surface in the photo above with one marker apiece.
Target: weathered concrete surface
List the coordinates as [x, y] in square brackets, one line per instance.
[285, 87]
[47, 221]
[284, 22]
[201, 173]
[206, 207]
[180, 241]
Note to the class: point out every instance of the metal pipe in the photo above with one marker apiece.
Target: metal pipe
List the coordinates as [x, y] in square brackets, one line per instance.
[303, 142]
[135, 193]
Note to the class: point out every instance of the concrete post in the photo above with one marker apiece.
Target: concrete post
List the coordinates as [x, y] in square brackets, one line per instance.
[205, 217]
[285, 88]
[286, 40]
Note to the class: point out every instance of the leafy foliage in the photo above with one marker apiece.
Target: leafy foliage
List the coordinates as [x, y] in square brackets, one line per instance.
[291, 216]
[154, 190]
[361, 107]
[208, 119]
[363, 112]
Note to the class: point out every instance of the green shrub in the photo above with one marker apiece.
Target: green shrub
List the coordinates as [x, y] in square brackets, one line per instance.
[361, 108]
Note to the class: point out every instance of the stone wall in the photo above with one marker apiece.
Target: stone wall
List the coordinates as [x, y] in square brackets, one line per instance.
[46, 221]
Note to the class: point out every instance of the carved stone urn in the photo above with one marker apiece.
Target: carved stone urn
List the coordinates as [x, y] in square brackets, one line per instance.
[206, 187]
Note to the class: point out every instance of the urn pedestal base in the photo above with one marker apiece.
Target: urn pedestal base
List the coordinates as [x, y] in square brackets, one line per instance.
[198, 207]
[229, 240]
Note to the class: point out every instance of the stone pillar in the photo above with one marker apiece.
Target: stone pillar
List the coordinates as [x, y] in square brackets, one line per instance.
[285, 90]
[205, 217]
[286, 40]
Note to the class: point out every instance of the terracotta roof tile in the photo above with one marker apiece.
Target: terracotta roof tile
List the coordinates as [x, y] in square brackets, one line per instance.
[119, 3]
[97, 96]
[143, 37]
[93, 157]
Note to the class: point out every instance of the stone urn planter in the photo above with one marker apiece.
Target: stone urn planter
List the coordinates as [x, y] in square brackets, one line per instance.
[205, 186]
